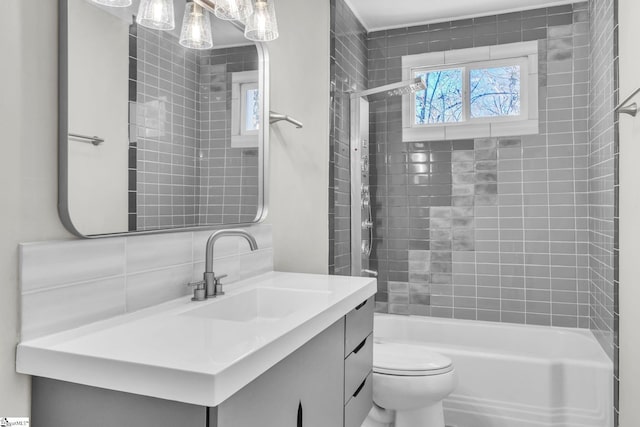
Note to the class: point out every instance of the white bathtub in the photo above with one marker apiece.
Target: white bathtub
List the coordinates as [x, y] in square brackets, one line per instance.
[514, 375]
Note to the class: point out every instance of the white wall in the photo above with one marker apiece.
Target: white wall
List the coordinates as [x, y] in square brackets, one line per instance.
[98, 105]
[629, 292]
[299, 198]
[28, 153]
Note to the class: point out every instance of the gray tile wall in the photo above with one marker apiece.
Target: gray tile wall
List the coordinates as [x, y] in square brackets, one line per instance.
[616, 224]
[183, 170]
[487, 229]
[601, 173]
[163, 126]
[348, 74]
[603, 181]
[228, 175]
[132, 165]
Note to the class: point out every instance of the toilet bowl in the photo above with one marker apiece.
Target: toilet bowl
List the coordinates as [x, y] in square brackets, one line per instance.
[409, 384]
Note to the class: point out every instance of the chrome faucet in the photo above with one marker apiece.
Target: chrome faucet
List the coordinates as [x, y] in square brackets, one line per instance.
[211, 285]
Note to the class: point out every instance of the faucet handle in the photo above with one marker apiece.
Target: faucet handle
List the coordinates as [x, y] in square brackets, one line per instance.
[199, 290]
[218, 283]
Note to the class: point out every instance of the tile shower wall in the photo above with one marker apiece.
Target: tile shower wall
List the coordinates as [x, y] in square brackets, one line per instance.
[348, 74]
[487, 229]
[132, 152]
[164, 131]
[603, 98]
[228, 175]
[182, 168]
[603, 182]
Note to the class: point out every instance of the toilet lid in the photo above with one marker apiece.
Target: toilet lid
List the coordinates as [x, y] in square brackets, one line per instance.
[403, 359]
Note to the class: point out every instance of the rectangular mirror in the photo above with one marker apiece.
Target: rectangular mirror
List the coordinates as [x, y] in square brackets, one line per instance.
[154, 136]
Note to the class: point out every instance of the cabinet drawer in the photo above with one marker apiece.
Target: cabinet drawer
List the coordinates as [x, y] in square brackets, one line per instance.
[358, 407]
[357, 366]
[358, 325]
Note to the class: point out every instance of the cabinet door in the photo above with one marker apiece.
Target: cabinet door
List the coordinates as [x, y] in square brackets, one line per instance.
[305, 389]
[62, 404]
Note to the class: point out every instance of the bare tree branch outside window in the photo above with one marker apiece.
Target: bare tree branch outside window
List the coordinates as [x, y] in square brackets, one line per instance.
[493, 92]
[441, 101]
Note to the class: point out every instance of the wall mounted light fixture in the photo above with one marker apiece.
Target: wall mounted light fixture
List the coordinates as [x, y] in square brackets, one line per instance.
[262, 25]
[259, 17]
[233, 10]
[156, 14]
[196, 28]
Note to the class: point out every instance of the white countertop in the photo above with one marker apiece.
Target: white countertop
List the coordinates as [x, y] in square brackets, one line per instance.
[168, 353]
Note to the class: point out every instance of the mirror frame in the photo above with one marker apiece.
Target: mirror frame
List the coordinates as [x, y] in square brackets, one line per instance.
[63, 139]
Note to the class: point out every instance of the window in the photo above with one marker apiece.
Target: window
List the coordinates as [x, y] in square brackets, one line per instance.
[472, 91]
[249, 109]
[441, 101]
[245, 109]
[495, 92]
[479, 92]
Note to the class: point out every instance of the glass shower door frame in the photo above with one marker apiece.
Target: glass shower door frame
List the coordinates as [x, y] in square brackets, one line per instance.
[361, 225]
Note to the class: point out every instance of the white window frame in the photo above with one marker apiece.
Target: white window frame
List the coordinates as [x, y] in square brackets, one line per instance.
[240, 83]
[523, 54]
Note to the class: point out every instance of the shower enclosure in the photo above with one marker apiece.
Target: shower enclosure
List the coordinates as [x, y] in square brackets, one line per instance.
[362, 223]
[497, 228]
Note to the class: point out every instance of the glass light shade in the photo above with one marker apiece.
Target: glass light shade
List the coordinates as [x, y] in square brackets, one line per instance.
[262, 25]
[196, 28]
[113, 3]
[156, 14]
[233, 10]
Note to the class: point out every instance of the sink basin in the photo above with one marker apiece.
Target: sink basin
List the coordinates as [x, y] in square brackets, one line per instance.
[198, 353]
[259, 304]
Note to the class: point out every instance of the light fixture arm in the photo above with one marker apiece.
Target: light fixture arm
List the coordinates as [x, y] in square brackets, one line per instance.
[208, 5]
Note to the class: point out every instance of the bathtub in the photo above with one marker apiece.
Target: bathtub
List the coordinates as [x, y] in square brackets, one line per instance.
[514, 375]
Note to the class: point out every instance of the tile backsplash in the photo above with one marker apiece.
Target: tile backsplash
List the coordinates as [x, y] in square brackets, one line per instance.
[66, 284]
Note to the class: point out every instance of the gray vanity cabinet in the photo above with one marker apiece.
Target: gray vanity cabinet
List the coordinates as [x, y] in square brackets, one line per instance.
[325, 383]
[303, 390]
[358, 363]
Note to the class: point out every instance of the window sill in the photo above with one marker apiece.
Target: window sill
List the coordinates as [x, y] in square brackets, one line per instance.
[471, 130]
[244, 141]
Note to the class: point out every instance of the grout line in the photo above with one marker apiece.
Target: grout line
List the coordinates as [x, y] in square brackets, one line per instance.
[72, 284]
[126, 279]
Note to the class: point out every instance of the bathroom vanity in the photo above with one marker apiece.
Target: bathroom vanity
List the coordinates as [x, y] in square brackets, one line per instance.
[281, 349]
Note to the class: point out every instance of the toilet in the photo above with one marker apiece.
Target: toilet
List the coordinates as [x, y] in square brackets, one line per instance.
[409, 383]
